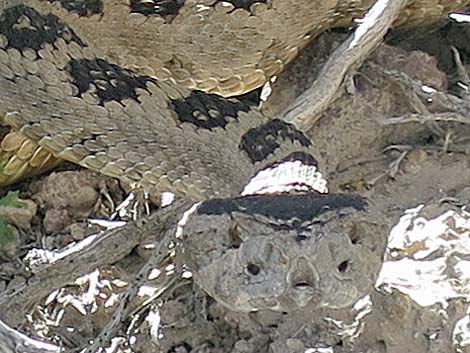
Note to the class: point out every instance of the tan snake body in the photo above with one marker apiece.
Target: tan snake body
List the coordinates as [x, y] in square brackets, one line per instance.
[223, 47]
[128, 88]
[102, 83]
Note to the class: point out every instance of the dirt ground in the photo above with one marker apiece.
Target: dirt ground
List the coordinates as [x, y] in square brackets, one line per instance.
[385, 139]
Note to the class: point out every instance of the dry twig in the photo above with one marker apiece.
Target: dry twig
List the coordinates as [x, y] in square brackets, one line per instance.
[309, 106]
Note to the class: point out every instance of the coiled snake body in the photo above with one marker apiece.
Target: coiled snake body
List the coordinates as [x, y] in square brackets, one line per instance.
[103, 58]
[133, 89]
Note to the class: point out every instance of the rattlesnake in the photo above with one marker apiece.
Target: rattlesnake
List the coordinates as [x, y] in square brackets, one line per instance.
[110, 85]
[223, 47]
[287, 252]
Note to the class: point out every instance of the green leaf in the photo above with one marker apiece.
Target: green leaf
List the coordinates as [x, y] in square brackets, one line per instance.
[12, 199]
[6, 234]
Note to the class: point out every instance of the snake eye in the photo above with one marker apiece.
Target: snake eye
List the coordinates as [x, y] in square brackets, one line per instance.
[343, 266]
[253, 269]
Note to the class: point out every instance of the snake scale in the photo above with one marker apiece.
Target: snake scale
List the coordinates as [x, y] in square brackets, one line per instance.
[126, 57]
[143, 90]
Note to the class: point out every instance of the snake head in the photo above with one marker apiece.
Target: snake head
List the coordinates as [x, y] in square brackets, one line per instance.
[285, 252]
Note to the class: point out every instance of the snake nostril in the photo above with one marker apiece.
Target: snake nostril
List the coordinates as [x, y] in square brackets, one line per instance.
[253, 269]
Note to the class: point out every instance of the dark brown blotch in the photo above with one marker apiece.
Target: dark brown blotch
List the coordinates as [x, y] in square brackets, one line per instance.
[84, 8]
[260, 142]
[26, 28]
[112, 82]
[208, 111]
[162, 8]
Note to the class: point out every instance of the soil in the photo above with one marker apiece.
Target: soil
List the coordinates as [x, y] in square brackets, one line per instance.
[398, 165]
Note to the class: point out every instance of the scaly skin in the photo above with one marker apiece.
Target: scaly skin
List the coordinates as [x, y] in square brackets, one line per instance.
[225, 48]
